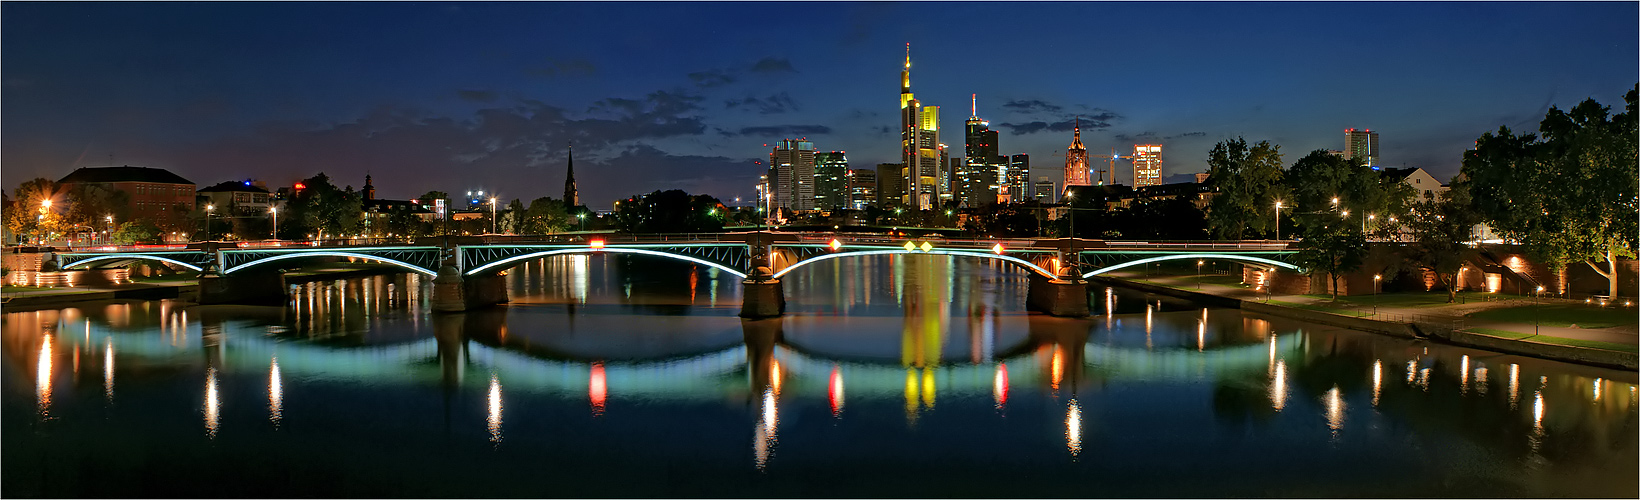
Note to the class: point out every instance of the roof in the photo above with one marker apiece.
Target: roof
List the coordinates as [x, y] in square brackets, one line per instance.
[95, 175]
[234, 187]
[1399, 173]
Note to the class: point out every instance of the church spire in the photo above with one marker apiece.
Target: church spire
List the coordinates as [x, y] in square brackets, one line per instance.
[571, 197]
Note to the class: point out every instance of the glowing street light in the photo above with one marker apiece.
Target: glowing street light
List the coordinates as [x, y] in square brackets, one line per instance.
[209, 209]
[583, 217]
[275, 212]
[1278, 220]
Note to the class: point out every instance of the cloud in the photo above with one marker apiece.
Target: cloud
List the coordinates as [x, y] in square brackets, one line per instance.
[571, 67]
[477, 95]
[1031, 106]
[1187, 134]
[641, 169]
[778, 103]
[1059, 126]
[773, 65]
[712, 78]
[786, 131]
[1142, 136]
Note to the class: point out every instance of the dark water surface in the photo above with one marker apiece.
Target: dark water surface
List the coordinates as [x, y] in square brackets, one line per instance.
[615, 376]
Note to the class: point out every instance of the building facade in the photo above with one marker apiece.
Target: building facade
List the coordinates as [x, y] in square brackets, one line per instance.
[241, 197]
[1147, 165]
[862, 187]
[791, 175]
[1076, 160]
[984, 168]
[890, 188]
[1017, 178]
[157, 195]
[919, 145]
[1361, 145]
[1043, 190]
[831, 189]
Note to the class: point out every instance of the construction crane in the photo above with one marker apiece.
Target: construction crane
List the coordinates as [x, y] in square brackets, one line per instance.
[1111, 165]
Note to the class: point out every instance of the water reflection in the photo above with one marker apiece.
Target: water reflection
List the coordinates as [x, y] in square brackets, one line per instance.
[834, 391]
[493, 404]
[1278, 386]
[1377, 380]
[42, 378]
[213, 405]
[276, 393]
[1073, 428]
[108, 369]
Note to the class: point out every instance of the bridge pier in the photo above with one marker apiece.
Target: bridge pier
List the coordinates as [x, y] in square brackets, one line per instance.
[453, 292]
[762, 299]
[244, 287]
[1057, 297]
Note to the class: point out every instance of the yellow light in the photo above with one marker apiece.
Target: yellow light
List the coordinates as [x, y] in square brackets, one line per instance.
[926, 247]
[997, 249]
[836, 244]
[909, 246]
[597, 244]
[45, 203]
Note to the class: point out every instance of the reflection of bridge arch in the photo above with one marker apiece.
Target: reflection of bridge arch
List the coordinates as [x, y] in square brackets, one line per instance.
[123, 258]
[885, 251]
[329, 253]
[1215, 256]
[503, 263]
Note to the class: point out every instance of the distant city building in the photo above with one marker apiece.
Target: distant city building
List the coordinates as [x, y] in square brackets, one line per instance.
[1019, 174]
[572, 196]
[238, 197]
[1147, 165]
[890, 179]
[862, 186]
[1361, 145]
[156, 195]
[945, 174]
[919, 145]
[831, 189]
[377, 211]
[1425, 186]
[985, 169]
[1043, 190]
[1076, 160]
[791, 174]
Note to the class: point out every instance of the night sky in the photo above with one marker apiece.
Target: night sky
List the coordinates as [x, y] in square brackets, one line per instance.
[457, 97]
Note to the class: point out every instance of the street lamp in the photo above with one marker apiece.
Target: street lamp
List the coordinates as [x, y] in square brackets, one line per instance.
[1364, 222]
[1199, 274]
[108, 236]
[275, 212]
[583, 217]
[1375, 279]
[209, 209]
[1070, 202]
[492, 213]
[1537, 312]
[1278, 220]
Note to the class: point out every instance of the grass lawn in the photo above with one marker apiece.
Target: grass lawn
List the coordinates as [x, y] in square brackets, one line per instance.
[1563, 315]
[54, 291]
[1587, 344]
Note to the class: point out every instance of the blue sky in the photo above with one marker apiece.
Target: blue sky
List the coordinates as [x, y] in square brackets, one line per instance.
[685, 95]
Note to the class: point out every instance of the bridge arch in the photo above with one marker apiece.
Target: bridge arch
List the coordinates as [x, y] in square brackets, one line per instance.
[330, 253]
[958, 253]
[503, 263]
[1215, 256]
[126, 257]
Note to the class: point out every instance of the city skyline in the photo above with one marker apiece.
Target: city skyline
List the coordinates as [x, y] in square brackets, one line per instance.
[456, 96]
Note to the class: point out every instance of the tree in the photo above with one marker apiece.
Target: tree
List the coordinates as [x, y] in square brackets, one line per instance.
[1247, 182]
[546, 215]
[1440, 231]
[319, 208]
[1331, 245]
[1571, 196]
[1320, 177]
[513, 221]
[138, 231]
[672, 211]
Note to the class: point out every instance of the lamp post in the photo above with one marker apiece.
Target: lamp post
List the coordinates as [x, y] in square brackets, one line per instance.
[45, 208]
[1070, 197]
[1375, 279]
[1364, 222]
[1537, 312]
[1199, 274]
[583, 217]
[108, 236]
[275, 212]
[1278, 220]
[209, 209]
[492, 215]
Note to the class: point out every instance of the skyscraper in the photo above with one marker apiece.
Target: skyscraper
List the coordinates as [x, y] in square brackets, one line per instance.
[1076, 160]
[1019, 174]
[572, 197]
[985, 168]
[1147, 165]
[919, 145]
[1361, 145]
[890, 190]
[1044, 190]
[862, 186]
[831, 191]
[791, 174]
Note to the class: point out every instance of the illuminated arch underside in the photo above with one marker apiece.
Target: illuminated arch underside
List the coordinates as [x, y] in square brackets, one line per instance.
[299, 255]
[132, 257]
[1220, 256]
[958, 253]
[639, 251]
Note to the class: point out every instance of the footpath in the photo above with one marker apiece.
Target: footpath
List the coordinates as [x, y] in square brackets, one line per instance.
[1470, 323]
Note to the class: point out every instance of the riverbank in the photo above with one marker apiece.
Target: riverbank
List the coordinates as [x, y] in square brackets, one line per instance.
[1472, 323]
[184, 286]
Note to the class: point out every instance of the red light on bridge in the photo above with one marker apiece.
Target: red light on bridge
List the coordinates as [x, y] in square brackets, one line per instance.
[597, 244]
[836, 244]
[997, 249]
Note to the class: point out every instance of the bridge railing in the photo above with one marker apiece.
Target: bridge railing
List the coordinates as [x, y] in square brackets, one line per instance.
[1201, 244]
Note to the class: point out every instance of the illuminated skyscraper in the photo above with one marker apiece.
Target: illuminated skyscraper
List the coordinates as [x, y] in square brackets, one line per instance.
[1076, 160]
[831, 190]
[919, 145]
[1019, 174]
[1361, 145]
[862, 185]
[985, 169]
[791, 174]
[1147, 165]
[890, 187]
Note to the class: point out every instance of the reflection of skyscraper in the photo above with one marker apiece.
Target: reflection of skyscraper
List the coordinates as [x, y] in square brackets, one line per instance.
[919, 145]
[1076, 160]
[791, 174]
[831, 191]
[1361, 145]
[1147, 165]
